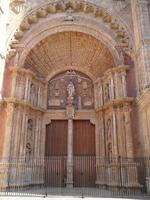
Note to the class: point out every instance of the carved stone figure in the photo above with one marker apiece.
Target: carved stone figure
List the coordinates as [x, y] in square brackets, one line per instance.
[29, 139]
[70, 89]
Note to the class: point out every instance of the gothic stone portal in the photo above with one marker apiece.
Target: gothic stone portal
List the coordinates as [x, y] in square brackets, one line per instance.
[73, 139]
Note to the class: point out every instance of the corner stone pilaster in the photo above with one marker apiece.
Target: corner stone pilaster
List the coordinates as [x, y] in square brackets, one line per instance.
[141, 22]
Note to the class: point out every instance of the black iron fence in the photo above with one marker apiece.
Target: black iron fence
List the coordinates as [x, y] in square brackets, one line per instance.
[99, 177]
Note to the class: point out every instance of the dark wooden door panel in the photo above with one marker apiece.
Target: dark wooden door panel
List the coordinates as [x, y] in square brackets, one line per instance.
[84, 171]
[84, 154]
[55, 171]
[83, 138]
[56, 152]
[56, 138]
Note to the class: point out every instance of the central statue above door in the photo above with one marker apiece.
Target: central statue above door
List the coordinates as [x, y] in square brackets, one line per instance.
[71, 83]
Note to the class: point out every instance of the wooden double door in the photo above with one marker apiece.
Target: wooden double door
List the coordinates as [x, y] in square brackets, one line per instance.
[84, 167]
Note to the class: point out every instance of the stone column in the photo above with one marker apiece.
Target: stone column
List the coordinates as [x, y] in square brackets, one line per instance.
[124, 87]
[8, 132]
[29, 88]
[39, 95]
[26, 88]
[23, 134]
[117, 86]
[2, 64]
[128, 131]
[4, 16]
[121, 133]
[17, 134]
[112, 87]
[70, 154]
[96, 95]
[101, 95]
[100, 157]
[115, 142]
[14, 82]
[70, 115]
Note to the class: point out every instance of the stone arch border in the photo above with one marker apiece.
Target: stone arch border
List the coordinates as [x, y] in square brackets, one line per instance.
[52, 15]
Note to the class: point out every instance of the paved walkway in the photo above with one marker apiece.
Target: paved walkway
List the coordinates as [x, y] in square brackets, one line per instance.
[60, 198]
[67, 194]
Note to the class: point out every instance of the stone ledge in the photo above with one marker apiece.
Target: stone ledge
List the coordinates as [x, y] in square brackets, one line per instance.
[21, 70]
[116, 102]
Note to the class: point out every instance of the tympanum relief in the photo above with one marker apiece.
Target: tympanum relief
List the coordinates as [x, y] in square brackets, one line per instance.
[70, 83]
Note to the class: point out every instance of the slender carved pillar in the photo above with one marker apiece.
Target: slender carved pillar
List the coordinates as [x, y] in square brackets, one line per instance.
[23, 134]
[121, 134]
[26, 87]
[115, 143]
[70, 114]
[124, 87]
[112, 88]
[117, 89]
[70, 154]
[17, 132]
[100, 164]
[14, 81]
[96, 95]
[101, 94]
[128, 131]
[29, 88]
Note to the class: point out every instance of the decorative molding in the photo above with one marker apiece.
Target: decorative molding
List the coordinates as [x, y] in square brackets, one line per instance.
[23, 103]
[120, 68]
[116, 103]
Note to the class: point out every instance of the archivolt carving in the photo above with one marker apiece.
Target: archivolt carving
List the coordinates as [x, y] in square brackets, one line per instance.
[75, 6]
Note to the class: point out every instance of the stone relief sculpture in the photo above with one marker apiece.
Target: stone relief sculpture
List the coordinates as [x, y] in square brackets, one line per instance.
[108, 140]
[108, 128]
[71, 84]
[109, 150]
[33, 94]
[107, 96]
[29, 139]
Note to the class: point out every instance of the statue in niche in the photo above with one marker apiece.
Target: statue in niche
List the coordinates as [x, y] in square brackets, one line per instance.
[29, 129]
[29, 138]
[28, 149]
[70, 89]
[108, 128]
[32, 93]
[107, 97]
[109, 152]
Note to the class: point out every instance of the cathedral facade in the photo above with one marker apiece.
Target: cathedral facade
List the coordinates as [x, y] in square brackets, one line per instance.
[75, 82]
